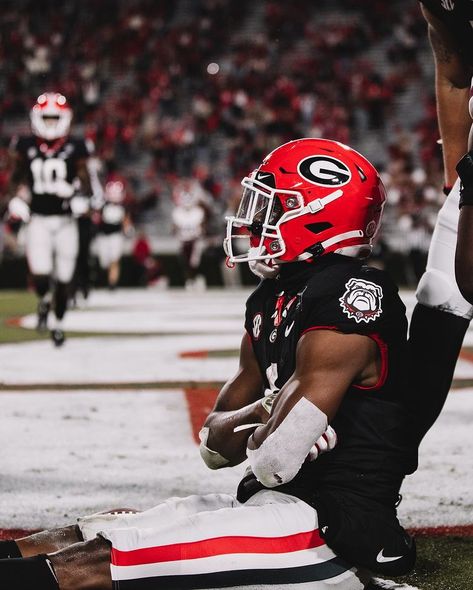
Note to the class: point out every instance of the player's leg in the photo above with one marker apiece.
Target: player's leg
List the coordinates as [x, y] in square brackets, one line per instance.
[198, 247]
[39, 253]
[115, 254]
[42, 542]
[52, 540]
[214, 541]
[82, 272]
[439, 322]
[82, 566]
[202, 541]
[102, 250]
[382, 545]
[66, 243]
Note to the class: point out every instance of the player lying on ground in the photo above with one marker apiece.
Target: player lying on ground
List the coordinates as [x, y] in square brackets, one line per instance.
[325, 345]
[442, 314]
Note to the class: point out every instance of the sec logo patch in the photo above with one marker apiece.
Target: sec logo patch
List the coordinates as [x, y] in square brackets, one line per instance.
[362, 300]
[257, 325]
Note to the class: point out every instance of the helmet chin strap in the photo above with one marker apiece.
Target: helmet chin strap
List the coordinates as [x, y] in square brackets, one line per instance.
[261, 268]
[320, 247]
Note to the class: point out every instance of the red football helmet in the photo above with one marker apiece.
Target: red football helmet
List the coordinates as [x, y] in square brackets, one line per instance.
[309, 197]
[114, 192]
[51, 116]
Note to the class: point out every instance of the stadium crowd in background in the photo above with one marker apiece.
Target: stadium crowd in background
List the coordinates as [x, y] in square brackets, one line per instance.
[204, 89]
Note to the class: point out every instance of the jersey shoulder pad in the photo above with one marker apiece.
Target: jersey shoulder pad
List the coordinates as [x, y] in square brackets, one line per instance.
[82, 147]
[21, 143]
[350, 298]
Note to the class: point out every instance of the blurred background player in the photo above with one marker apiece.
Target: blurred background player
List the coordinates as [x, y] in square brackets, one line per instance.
[189, 218]
[84, 212]
[114, 223]
[442, 315]
[53, 168]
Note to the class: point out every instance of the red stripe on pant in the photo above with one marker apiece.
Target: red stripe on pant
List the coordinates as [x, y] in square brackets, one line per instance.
[217, 546]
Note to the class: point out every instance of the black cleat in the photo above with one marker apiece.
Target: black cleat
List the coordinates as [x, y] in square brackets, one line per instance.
[43, 311]
[58, 337]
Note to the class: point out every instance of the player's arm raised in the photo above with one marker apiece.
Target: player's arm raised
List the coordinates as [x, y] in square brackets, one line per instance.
[327, 363]
[452, 87]
[238, 403]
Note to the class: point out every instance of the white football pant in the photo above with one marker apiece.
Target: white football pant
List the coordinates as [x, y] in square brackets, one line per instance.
[52, 243]
[438, 287]
[109, 248]
[271, 541]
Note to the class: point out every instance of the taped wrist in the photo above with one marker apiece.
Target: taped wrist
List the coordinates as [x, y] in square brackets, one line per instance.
[281, 455]
[213, 459]
[464, 170]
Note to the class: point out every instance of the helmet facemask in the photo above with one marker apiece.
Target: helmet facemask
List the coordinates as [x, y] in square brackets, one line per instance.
[255, 229]
[51, 117]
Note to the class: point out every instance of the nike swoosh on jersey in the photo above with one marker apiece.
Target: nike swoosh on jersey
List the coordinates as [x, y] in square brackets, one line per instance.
[380, 558]
[288, 330]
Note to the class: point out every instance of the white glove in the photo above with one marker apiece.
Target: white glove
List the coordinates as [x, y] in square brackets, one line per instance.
[19, 209]
[79, 205]
[64, 189]
[324, 444]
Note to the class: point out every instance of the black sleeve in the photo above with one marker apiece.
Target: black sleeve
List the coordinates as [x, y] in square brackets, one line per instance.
[352, 305]
[84, 148]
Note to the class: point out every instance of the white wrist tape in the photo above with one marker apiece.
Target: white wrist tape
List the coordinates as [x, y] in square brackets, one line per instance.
[212, 459]
[281, 455]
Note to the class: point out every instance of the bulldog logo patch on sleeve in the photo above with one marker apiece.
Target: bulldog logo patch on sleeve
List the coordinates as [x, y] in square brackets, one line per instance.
[362, 300]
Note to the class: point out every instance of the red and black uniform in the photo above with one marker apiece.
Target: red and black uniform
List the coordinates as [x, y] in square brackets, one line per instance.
[355, 486]
[48, 169]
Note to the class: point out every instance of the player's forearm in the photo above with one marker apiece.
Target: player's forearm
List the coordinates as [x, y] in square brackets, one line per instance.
[228, 431]
[464, 249]
[454, 125]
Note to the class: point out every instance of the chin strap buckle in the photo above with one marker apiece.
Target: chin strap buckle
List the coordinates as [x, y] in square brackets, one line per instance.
[229, 264]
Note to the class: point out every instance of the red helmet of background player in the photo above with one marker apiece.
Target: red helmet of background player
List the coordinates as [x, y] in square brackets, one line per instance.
[308, 198]
[51, 116]
[114, 192]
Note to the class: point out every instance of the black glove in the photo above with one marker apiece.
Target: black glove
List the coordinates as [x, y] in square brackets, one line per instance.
[464, 170]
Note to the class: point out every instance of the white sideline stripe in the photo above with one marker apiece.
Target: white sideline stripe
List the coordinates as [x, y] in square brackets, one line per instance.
[223, 563]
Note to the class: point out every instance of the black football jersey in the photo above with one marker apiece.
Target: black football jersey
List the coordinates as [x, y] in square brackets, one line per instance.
[343, 294]
[457, 16]
[50, 173]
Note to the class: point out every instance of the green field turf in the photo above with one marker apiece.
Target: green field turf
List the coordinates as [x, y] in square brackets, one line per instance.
[14, 304]
[443, 563]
